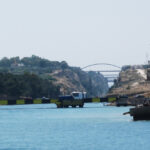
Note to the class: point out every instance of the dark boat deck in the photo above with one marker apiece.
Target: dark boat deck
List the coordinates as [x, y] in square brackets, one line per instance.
[140, 113]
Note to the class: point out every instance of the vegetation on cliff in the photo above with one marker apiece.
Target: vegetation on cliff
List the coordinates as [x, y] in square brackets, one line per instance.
[26, 85]
[59, 74]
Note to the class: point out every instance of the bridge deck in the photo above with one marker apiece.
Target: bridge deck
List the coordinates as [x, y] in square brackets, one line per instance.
[54, 101]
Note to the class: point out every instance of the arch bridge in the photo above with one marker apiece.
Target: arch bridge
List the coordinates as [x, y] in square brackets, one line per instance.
[109, 71]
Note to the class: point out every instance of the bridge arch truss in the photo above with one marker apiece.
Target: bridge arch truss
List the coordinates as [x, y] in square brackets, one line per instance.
[109, 74]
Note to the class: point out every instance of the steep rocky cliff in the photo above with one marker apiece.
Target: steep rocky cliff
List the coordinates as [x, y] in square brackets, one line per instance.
[74, 79]
[132, 81]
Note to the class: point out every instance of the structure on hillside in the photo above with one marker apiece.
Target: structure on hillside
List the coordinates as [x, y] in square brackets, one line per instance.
[148, 74]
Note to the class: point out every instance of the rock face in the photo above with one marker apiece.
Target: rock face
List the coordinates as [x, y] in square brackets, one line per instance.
[99, 85]
[68, 78]
[74, 79]
[132, 81]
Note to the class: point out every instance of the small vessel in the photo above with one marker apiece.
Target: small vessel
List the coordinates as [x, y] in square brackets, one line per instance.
[140, 113]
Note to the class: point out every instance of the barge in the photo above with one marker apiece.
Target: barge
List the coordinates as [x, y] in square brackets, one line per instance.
[139, 113]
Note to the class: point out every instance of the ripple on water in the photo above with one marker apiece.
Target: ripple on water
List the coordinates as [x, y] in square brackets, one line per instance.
[94, 127]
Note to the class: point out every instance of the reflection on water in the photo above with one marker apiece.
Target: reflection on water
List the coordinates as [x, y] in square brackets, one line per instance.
[95, 127]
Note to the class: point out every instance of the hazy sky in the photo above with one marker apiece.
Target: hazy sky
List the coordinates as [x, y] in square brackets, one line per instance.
[80, 32]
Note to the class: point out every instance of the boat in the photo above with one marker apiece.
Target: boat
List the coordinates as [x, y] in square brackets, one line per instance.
[139, 113]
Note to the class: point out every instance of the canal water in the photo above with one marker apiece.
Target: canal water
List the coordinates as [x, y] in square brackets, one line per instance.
[94, 127]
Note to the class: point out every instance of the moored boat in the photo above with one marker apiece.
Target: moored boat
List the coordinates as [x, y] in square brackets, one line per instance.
[139, 113]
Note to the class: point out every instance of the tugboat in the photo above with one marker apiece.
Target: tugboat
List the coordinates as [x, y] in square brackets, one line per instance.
[140, 112]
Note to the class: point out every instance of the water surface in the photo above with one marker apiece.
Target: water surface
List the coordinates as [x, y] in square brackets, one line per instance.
[95, 127]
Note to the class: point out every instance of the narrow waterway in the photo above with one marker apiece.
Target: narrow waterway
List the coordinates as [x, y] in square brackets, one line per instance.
[94, 127]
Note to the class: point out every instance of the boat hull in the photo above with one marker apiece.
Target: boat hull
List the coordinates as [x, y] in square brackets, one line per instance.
[140, 113]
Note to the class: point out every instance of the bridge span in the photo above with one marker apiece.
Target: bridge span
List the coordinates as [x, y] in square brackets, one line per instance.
[118, 101]
[110, 71]
[98, 64]
[59, 104]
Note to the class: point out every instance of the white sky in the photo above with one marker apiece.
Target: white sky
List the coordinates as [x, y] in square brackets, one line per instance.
[81, 32]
